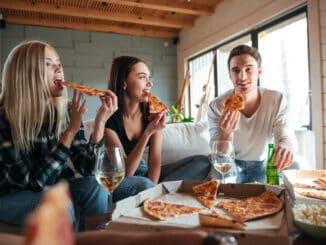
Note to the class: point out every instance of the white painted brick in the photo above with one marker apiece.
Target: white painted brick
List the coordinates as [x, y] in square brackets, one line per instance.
[13, 31]
[67, 56]
[169, 60]
[88, 61]
[81, 36]
[165, 71]
[55, 36]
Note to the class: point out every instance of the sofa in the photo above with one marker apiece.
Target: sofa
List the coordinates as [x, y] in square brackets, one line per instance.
[181, 140]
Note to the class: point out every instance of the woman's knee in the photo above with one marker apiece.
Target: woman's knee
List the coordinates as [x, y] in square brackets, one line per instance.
[143, 183]
[130, 186]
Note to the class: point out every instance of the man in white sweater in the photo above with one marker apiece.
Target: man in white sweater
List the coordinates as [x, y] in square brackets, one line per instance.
[262, 121]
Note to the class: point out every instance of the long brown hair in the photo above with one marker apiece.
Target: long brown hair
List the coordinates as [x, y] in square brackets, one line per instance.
[25, 97]
[120, 69]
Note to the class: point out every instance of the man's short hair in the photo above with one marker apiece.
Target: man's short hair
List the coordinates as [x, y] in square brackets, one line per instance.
[245, 49]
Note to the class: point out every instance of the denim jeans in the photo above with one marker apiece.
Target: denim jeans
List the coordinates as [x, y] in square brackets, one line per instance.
[87, 195]
[132, 185]
[250, 171]
[193, 168]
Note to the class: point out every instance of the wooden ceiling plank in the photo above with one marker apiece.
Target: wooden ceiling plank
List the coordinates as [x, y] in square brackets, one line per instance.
[94, 14]
[172, 6]
[92, 27]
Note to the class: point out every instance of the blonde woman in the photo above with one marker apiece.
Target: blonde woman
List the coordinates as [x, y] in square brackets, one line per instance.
[38, 135]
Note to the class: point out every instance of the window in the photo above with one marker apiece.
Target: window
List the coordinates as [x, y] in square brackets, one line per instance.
[283, 46]
[201, 75]
[284, 52]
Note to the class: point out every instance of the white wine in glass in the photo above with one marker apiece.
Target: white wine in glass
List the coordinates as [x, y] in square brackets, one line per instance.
[109, 172]
[223, 159]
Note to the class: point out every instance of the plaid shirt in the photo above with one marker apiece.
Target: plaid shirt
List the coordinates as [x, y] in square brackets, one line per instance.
[45, 164]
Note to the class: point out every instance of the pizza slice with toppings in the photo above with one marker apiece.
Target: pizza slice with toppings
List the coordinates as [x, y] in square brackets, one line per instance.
[265, 204]
[164, 211]
[321, 181]
[206, 192]
[156, 105]
[217, 220]
[311, 192]
[235, 102]
[84, 89]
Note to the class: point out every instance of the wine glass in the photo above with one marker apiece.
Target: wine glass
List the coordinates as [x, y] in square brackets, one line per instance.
[222, 159]
[109, 172]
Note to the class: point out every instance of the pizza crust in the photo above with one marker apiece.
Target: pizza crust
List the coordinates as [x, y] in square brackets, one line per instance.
[217, 220]
[309, 192]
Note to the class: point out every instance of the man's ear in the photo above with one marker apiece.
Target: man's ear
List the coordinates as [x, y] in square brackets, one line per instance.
[260, 71]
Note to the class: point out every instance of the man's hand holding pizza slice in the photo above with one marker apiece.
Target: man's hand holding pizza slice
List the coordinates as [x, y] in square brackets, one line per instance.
[231, 115]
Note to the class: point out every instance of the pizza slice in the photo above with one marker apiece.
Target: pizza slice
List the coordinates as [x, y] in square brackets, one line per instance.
[321, 181]
[206, 192]
[51, 219]
[217, 220]
[235, 102]
[310, 192]
[164, 211]
[265, 204]
[155, 105]
[84, 89]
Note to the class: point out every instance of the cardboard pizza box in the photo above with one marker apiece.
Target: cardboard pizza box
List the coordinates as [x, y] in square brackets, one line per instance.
[278, 229]
[291, 177]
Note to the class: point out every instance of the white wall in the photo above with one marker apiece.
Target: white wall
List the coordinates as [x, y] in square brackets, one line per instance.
[233, 17]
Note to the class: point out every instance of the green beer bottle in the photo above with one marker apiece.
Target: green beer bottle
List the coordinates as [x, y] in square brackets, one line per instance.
[272, 176]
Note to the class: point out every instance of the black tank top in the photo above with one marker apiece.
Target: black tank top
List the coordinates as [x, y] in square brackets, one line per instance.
[115, 123]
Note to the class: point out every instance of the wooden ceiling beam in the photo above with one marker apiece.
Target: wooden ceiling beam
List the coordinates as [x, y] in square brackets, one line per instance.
[166, 5]
[93, 14]
[91, 27]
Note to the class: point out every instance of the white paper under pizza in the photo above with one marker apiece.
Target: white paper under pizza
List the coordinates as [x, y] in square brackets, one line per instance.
[138, 216]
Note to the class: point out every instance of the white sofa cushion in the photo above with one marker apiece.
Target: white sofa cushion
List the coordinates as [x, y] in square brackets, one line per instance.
[181, 140]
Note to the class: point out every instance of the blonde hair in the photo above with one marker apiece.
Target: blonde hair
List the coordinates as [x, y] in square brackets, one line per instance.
[25, 97]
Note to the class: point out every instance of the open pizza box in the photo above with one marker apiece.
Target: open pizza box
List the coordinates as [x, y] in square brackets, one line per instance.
[276, 229]
[305, 177]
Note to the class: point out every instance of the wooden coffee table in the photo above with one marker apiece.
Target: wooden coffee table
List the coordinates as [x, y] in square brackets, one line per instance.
[92, 221]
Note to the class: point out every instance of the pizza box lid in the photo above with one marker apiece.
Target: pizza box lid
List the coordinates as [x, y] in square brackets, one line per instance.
[291, 177]
[122, 219]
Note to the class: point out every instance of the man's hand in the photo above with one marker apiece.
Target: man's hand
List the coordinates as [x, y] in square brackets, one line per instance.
[283, 155]
[229, 122]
